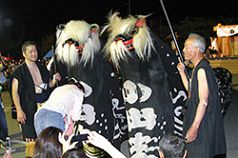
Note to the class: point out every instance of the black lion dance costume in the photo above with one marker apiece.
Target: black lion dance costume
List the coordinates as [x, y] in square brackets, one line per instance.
[152, 88]
[78, 55]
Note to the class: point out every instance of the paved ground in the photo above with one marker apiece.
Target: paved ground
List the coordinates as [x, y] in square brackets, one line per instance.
[230, 122]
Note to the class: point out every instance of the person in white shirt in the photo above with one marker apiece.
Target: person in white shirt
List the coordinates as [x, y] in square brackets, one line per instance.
[63, 107]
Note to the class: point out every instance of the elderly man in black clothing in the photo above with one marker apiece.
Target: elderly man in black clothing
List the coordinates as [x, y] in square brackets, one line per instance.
[203, 124]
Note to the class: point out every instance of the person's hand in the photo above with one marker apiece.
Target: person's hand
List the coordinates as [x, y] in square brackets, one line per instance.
[191, 134]
[180, 66]
[21, 116]
[57, 77]
[97, 140]
[66, 143]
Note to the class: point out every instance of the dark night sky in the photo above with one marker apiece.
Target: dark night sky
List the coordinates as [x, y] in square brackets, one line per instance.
[33, 19]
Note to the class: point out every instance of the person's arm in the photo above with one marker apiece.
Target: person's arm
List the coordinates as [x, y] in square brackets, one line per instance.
[203, 92]
[101, 142]
[181, 69]
[21, 117]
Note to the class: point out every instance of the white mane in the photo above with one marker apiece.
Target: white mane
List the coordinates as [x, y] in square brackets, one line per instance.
[142, 41]
[79, 31]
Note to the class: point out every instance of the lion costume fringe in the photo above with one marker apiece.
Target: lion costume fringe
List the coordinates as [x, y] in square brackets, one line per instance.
[152, 90]
[78, 55]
